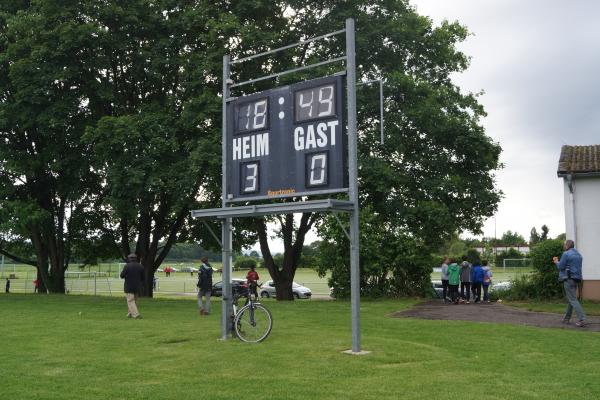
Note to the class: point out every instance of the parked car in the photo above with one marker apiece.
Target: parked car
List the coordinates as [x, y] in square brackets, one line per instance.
[501, 286]
[237, 286]
[189, 269]
[438, 289]
[300, 292]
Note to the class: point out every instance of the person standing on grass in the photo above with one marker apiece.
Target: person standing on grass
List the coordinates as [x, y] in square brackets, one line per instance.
[204, 286]
[569, 273]
[134, 276]
[487, 281]
[444, 277]
[465, 279]
[7, 285]
[453, 280]
[477, 280]
[252, 279]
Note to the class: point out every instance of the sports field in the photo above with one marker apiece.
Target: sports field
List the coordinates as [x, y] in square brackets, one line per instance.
[83, 347]
[104, 280]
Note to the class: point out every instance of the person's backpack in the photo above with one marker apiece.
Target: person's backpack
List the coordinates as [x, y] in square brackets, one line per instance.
[487, 277]
[200, 278]
[478, 275]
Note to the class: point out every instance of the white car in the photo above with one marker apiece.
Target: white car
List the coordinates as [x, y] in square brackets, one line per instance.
[501, 286]
[300, 292]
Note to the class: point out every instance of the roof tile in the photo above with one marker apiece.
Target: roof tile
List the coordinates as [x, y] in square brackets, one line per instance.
[579, 159]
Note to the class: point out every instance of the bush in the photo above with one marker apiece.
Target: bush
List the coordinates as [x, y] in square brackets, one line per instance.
[244, 263]
[392, 262]
[543, 282]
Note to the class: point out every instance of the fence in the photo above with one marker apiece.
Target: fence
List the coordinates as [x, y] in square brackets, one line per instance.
[101, 284]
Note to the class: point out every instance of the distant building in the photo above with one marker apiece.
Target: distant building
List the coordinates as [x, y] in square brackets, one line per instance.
[524, 248]
[579, 166]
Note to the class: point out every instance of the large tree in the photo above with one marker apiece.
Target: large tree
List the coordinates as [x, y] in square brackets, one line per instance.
[47, 190]
[157, 93]
[435, 173]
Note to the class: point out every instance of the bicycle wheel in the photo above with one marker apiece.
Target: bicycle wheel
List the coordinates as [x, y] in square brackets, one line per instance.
[253, 323]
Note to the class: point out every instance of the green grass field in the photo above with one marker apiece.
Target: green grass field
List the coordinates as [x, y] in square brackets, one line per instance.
[83, 347]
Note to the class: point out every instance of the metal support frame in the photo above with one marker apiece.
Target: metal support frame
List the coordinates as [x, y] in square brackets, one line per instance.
[328, 205]
[289, 71]
[380, 81]
[342, 227]
[353, 185]
[213, 234]
[331, 205]
[227, 303]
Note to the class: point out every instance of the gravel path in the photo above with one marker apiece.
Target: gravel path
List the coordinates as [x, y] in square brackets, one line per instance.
[493, 312]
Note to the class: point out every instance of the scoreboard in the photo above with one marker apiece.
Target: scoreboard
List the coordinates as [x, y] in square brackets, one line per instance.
[287, 141]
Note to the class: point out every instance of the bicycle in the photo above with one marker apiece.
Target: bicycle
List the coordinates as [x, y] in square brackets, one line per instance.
[252, 323]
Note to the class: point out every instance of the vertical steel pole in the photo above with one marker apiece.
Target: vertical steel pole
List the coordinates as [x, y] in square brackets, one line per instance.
[381, 108]
[226, 229]
[353, 184]
[226, 305]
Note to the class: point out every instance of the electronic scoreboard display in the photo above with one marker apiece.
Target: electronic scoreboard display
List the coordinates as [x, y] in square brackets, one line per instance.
[287, 141]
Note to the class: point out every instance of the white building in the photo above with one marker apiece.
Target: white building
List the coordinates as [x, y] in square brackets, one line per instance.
[579, 166]
[523, 248]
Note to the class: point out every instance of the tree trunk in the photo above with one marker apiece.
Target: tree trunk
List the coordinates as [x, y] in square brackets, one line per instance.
[283, 276]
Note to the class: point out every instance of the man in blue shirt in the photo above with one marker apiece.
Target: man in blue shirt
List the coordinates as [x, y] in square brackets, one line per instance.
[569, 272]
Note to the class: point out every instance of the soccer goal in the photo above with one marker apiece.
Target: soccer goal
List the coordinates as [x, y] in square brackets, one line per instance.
[87, 282]
[516, 263]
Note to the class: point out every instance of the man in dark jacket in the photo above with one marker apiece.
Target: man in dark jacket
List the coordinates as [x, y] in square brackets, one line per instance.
[204, 286]
[569, 273]
[133, 273]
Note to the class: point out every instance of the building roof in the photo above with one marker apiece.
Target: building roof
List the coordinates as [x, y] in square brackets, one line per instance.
[579, 160]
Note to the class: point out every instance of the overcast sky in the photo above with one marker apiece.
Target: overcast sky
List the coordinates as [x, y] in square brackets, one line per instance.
[539, 65]
[538, 62]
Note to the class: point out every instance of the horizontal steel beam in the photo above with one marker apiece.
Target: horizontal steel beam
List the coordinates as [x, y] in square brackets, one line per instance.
[256, 210]
[239, 60]
[330, 61]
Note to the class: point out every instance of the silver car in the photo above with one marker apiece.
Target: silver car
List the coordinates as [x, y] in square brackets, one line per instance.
[300, 292]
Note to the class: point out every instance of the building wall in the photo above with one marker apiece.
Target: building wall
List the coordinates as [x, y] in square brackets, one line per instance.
[586, 229]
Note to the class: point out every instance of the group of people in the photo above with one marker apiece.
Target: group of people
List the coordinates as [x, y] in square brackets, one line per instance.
[134, 276]
[205, 285]
[472, 279]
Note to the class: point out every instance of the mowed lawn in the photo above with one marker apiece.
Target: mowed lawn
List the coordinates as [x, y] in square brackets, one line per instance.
[83, 347]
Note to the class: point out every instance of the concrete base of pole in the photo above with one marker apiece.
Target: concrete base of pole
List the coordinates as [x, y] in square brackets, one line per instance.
[356, 353]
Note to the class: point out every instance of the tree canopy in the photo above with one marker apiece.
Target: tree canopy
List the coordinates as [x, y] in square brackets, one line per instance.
[110, 118]
[434, 175]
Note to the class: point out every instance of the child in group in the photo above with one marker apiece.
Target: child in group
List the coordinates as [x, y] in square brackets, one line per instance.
[465, 280]
[444, 278]
[477, 279]
[453, 280]
[487, 281]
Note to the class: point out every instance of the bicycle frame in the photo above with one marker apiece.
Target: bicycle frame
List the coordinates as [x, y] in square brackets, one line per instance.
[252, 315]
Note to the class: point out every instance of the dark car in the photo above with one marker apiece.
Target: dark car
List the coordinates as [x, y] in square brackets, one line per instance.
[238, 286]
[438, 289]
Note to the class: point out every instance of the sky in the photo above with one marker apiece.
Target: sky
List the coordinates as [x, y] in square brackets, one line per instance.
[538, 63]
